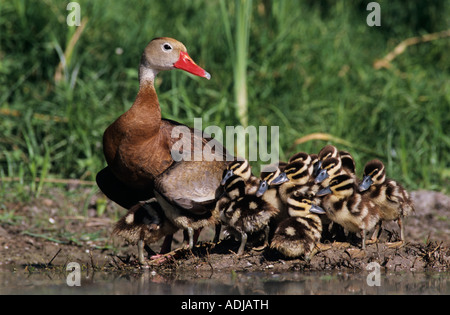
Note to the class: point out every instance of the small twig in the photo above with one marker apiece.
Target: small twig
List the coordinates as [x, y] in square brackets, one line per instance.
[51, 260]
[400, 48]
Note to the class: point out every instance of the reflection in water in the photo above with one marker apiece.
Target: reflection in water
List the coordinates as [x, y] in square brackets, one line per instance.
[149, 282]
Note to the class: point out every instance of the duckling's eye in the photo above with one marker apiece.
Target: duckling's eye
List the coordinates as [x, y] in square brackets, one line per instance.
[166, 47]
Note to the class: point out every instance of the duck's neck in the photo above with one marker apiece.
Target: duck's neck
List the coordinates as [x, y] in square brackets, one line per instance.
[145, 111]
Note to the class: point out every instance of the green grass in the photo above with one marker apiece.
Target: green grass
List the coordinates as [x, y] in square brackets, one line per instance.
[309, 69]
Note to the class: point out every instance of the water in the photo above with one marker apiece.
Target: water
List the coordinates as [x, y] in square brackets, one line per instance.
[24, 281]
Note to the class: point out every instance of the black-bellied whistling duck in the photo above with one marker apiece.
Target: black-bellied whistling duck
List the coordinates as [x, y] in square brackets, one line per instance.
[393, 200]
[138, 145]
[144, 224]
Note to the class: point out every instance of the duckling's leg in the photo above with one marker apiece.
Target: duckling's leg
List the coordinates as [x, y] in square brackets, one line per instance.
[243, 242]
[217, 234]
[191, 237]
[363, 239]
[167, 244]
[376, 234]
[140, 246]
[266, 239]
[400, 243]
[402, 228]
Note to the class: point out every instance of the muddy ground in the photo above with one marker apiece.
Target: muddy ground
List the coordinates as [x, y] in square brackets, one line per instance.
[68, 224]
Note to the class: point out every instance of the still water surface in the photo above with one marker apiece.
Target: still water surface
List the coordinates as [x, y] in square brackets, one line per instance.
[14, 281]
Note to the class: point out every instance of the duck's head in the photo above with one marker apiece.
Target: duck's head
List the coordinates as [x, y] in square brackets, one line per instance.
[240, 168]
[164, 53]
[374, 174]
[341, 186]
[330, 166]
[302, 205]
[235, 187]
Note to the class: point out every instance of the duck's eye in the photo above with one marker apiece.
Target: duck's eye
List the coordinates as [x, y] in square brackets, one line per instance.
[166, 47]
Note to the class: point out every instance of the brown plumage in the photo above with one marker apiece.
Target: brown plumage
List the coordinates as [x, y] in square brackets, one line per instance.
[392, 199]
[144, 224]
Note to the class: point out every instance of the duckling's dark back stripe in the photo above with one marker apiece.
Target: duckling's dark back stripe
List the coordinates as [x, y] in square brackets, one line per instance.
[301, 175]
[295, 207]
[345, 187]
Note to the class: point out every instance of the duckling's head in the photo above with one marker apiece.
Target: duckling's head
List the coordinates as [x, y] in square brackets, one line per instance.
[301, 157]
[341, 186]
[327, 152]
[298, 172]
[374, 174]
[330, 166]
[267, 176]
[235, 187]
[347, 161]
[164, 53]
[315, 164]
[238, 167]
[301, 206]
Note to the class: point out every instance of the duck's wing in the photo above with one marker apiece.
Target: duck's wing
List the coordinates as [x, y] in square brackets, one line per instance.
[188, 143]
[192, 185]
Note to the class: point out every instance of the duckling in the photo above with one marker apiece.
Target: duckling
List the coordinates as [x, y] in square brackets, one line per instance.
[341, 164]
[245, 213]
[242, 168]
[393, 200]
[144, 223]
[344, 205]
[270, 193]
[300, 234]
[297, 177]
[348, 163]
[297, 180]
[325, 153]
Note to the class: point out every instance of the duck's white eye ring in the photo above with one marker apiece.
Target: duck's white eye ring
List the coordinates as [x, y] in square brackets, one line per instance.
[166, 47]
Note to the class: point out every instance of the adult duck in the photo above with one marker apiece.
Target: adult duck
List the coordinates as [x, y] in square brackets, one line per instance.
[139, 146]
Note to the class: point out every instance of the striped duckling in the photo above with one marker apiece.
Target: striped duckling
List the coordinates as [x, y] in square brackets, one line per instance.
[297, 178]
[392, 199]
[343, 163]
[144, 224]
[244, 214]
[300, 233]
[344, 205]
[242, 168]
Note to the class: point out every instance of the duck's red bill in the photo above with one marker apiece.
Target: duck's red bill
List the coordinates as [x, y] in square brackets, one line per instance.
[187, 64]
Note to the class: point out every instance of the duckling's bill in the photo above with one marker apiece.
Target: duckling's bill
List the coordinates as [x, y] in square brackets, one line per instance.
[323, 174]
[263, 185]
[316, 209]
[366, 183]
[280, 179]
[324, 191]
[226, 176]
